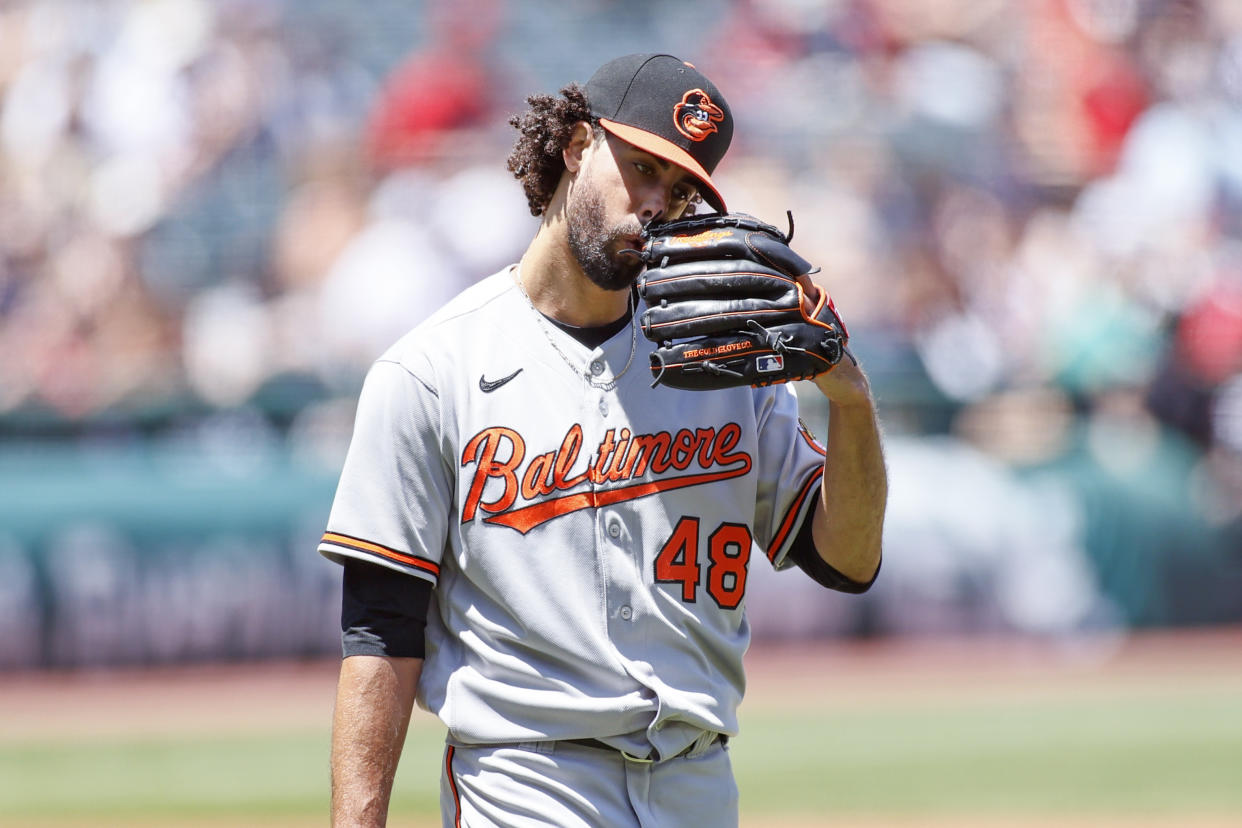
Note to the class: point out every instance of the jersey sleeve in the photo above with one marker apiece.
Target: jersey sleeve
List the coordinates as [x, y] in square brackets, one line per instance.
[791, 466]
[393, 499]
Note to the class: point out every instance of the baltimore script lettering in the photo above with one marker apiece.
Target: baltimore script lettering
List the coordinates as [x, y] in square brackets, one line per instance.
[619, 459]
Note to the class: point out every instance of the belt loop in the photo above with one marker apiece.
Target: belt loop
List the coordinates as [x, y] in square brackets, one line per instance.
[642, 760]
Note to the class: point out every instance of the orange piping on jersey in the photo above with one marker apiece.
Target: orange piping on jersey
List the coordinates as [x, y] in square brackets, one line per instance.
[448, 772]
[528, 517]
[810, 439]
[791, 516]
[391, 554]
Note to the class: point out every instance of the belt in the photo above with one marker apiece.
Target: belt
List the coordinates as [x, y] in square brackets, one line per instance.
[597, 744]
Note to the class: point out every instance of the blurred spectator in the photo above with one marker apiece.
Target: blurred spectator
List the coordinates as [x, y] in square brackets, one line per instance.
[443, 91]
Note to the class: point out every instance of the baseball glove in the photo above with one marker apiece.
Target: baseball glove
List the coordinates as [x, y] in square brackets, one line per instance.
[726, 305]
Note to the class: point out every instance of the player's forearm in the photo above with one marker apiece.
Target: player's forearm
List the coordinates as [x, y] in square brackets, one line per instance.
[849, 524]
[375, 696]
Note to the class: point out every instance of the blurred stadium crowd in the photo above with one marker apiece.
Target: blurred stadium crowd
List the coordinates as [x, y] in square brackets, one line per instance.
[215, 213]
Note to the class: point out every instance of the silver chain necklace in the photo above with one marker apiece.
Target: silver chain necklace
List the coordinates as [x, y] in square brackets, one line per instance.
[545, 326]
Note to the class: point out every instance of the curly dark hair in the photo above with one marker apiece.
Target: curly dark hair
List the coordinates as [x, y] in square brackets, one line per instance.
[545, 129]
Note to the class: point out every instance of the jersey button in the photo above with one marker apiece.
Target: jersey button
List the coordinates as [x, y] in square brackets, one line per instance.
[614, 529]
[603, 407]
[597, 367]
[627, 613]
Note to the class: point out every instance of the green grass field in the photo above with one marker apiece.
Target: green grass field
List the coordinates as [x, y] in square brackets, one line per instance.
[1173, 753]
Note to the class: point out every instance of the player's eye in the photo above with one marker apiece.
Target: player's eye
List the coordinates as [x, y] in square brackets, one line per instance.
[681, 194]
[643, 168]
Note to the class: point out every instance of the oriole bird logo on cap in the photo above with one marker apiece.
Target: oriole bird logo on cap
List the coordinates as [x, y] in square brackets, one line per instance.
[696, 116]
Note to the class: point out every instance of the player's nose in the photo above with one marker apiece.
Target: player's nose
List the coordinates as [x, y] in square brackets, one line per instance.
[653, 205]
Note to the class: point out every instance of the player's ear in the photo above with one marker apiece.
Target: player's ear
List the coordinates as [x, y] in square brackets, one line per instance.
[579, 142]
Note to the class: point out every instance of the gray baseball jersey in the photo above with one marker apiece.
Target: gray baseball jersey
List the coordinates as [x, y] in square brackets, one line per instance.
[589, 537]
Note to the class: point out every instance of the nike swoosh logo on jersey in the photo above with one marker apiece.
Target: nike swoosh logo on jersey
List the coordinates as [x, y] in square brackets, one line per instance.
[487, 386]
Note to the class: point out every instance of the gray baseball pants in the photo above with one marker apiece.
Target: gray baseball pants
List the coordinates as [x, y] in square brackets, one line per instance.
[565, 785]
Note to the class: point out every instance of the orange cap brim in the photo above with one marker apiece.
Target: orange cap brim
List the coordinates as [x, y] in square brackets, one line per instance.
[663, 148]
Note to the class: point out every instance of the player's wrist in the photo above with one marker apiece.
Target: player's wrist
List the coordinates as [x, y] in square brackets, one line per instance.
[846, 386]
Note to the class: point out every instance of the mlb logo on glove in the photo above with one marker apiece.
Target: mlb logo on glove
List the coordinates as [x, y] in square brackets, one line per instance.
[769, 364]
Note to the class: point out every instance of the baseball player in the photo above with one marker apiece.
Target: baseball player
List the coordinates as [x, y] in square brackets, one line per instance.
[546, 550]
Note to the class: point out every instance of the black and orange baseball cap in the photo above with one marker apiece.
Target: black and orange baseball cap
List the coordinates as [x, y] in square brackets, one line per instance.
[663, 105]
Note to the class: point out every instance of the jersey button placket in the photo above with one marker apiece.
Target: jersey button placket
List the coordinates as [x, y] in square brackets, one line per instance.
[621, 594]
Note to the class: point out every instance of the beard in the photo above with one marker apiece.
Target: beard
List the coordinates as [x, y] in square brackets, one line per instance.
[598, 251]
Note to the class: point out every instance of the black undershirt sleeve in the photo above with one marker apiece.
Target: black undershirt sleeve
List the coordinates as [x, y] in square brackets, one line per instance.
[803, 553]
[383, 612]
